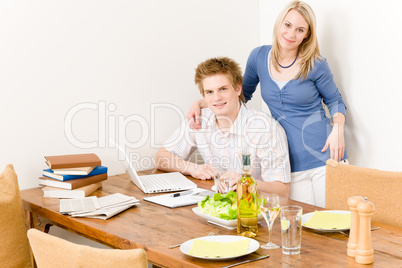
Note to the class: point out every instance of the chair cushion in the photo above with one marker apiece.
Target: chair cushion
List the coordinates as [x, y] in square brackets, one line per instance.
[14, 247]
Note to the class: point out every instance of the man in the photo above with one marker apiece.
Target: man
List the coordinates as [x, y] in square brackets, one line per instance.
[229, 129]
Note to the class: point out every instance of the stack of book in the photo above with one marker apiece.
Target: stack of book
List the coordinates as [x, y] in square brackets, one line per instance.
[72, 176]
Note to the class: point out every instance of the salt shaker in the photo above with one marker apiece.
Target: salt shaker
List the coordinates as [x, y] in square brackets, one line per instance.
[364, 251]
[354, 226]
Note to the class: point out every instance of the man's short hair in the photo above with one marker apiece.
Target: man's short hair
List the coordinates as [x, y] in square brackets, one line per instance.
[220, 65]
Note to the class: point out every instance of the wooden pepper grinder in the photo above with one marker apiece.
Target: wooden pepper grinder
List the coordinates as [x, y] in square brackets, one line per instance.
[354, 225]
[364, 251]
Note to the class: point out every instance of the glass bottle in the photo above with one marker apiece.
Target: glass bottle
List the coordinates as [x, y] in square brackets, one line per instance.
[247, 206]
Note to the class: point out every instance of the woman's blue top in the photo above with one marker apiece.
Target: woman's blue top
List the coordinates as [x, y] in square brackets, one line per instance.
[298, 107]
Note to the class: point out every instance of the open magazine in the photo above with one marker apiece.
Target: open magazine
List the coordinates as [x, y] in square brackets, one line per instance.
[99, 208]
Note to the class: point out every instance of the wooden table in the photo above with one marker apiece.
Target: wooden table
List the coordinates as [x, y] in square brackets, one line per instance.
[154, 228]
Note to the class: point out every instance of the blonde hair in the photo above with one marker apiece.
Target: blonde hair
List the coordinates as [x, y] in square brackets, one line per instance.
[220, 65]
[308, 48]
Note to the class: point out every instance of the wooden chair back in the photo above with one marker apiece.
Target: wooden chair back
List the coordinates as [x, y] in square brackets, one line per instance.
[383, 188]
[50, 251]
[14, 247]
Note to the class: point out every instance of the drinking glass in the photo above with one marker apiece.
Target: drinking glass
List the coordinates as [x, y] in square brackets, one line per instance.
[223, 180]
[291, 229]
[270, 209]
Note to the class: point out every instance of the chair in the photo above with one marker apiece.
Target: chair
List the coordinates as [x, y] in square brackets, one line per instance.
[383, 188]
[50, 251]
[14, 246]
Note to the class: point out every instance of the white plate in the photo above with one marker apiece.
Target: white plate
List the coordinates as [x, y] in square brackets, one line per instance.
[307, 217]
[253, 245]
[232, 224]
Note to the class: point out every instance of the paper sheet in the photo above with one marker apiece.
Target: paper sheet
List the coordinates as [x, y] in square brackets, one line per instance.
[213, 249]
[79, 205]
[327, 220]
[94, 207]
[168, 201]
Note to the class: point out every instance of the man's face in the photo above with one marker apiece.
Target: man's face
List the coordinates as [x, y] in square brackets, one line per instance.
[220, 95]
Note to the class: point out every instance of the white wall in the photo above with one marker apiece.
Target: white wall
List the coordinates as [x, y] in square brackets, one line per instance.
[113, 58]
[57, 54]
[361, 41]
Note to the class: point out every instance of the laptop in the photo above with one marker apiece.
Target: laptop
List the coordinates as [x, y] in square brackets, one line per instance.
[157, 183]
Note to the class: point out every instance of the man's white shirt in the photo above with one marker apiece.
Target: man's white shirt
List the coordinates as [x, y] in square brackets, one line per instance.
[253, 132]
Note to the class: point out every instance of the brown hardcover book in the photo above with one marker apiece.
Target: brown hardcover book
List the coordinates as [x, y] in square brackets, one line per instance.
[72, 184]
[54, 192]
[73, 160]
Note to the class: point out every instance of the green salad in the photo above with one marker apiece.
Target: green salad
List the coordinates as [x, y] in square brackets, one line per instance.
[222, 206]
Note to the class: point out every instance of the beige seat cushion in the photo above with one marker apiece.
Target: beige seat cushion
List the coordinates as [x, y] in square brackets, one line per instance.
[50, 251]
[14, 247]
[383, 188]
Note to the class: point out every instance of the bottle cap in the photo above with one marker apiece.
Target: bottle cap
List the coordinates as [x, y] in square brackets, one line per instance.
[246, 159]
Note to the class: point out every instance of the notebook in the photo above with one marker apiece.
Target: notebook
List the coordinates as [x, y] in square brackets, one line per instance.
[168, 200]
[157, 183]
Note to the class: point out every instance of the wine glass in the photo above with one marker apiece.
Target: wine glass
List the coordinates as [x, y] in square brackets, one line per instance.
[269, 209]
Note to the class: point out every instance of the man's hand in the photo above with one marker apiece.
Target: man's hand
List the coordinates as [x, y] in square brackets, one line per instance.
[235, 178]
[223, 182]
[202, 172]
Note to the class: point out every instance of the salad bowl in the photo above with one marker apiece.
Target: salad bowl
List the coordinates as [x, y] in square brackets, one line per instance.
[221, 209]
[229, 224]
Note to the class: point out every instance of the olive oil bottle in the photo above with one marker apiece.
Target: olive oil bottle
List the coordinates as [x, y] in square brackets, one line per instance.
[247, 205]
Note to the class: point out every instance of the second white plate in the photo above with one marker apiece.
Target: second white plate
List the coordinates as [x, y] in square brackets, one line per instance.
[307, 217]
[253, 245]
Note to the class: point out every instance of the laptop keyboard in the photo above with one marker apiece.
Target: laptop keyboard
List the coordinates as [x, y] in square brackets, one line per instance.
[156, 182]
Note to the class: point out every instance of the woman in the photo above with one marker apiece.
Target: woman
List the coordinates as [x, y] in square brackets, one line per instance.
[294, 80]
